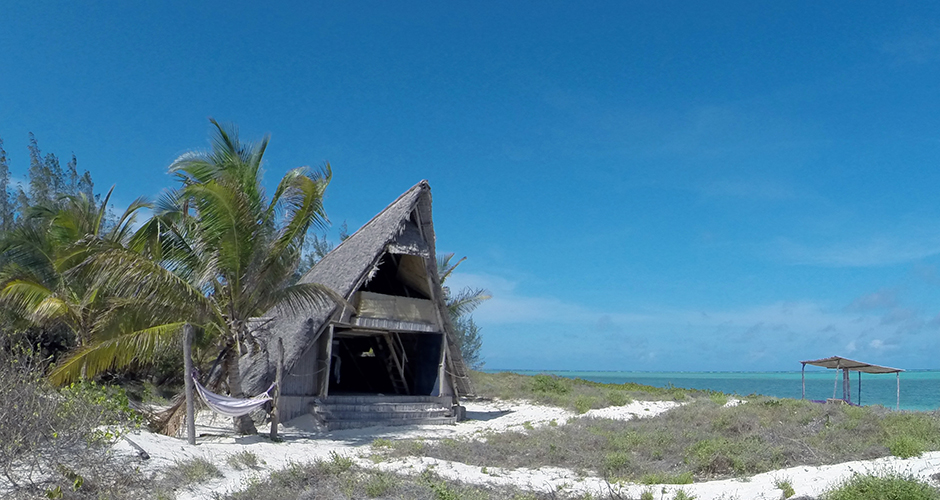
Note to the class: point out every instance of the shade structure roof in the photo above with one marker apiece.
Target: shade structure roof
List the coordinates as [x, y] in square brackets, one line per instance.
[838, 362]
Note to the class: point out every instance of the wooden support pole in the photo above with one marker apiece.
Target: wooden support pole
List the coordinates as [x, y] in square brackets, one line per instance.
[188, 378]
[899, 390]
[835, 384]
[859, 389]
[803, 380]
[278, 378]
[846, 388]
[325, 382]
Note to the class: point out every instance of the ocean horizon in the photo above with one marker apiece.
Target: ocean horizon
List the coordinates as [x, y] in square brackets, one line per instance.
[919, 389]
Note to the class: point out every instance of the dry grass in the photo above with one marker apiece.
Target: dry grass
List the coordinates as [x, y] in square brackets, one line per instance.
[54, 443]
[338, 478]
[886, 486]
[701, 439]
[575, 394]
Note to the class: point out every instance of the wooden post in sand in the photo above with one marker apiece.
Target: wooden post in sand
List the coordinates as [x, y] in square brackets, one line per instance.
[276, 413]
[846, 390]
[188, 378]
[898, 376]
[803, 381]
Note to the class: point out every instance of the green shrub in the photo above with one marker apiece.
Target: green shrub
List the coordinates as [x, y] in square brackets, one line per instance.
[906, 447]
[440, 488]
[785, 487]
[583, 403]
[886, 486]
[379, 484]
[337, 464]
[242, 460]
[381, 443]
[192, 471]
[616, 462]
[43, 427]
[910, 434]
[682, 495]
[618, 398]
[551, 384]
[718, 398]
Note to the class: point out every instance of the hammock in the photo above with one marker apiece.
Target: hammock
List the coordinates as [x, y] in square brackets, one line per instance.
[229, 406]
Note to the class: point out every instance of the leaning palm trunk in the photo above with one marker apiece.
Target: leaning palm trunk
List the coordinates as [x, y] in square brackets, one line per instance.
[242, 424]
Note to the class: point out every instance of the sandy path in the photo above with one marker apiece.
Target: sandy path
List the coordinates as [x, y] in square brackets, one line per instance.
[303, 443]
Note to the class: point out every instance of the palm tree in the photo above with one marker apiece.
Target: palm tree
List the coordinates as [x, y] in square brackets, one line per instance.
[460, 306]
[39, 281]
[217, 252]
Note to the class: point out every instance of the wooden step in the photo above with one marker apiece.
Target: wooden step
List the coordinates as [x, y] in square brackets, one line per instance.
[358, 424]
[354, 411]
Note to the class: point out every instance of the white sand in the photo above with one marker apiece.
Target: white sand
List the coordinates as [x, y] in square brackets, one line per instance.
[304, 443]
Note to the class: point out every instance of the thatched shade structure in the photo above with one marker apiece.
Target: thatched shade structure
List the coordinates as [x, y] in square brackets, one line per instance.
[847, 365]
[393, 338]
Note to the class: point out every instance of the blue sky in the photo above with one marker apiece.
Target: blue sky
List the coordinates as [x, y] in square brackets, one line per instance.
[641, 185]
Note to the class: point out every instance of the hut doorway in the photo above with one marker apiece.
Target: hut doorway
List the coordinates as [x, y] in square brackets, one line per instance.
[389, 363]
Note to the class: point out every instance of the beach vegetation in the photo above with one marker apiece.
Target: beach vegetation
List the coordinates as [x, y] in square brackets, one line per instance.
[59, 440]
[379, 443]
[906, 447]
[583, 403]
[244, 459]
[574, 394]
[379, 484]
[882, 486]
[461, 305]
[322, 480]
[701, 439]
[718, 398]
[196, 470]
[785, 487]
[618, 398]
[216, 253]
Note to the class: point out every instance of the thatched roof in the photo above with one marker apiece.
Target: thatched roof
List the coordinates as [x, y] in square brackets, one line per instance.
[343, 269]
[839, 363]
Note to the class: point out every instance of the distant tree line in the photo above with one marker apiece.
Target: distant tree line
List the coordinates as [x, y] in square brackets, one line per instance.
[46, 184]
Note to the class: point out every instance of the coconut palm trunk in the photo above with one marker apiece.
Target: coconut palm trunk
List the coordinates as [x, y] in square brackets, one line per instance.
[243, 424]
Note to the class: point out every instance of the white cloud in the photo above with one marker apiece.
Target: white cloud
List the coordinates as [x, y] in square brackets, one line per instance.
[872, 252]
[758, 336]
[509, 307]
[883, 298]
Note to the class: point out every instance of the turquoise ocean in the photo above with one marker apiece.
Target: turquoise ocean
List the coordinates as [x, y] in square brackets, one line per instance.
[920, 390]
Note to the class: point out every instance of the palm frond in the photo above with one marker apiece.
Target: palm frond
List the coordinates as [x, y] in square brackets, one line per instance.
[444, 267]
[24, 295]
[466, 301]
[116, 353]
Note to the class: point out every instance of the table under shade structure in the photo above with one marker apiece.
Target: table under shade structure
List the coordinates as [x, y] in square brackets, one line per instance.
[847, 365]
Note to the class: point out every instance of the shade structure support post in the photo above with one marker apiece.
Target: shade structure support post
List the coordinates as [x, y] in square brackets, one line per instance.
[278, 376]
[188, 378]
[898, 407]
[803, 381]
[846, 387]
[859, 388]
[835, 384]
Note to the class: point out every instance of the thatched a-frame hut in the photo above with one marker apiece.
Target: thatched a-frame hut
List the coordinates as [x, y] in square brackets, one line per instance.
[391, 348]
